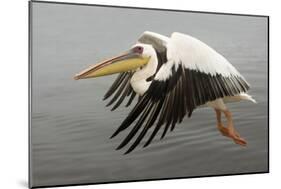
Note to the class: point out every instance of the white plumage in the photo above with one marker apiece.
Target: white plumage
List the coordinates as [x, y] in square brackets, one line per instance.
[196, 55]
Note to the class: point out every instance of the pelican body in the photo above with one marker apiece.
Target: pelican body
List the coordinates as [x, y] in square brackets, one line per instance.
[172, 77]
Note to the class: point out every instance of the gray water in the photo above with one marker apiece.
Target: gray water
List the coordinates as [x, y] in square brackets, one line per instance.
[71, 127]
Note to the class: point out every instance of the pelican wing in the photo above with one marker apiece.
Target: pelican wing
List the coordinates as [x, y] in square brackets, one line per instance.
[193, 75]
[208, 75]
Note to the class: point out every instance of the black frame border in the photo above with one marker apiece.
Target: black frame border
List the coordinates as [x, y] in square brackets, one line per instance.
[30, 50]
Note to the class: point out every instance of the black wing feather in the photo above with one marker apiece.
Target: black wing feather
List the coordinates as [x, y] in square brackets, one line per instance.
[167, 102]
[122, 97]
[137, 126]
[133, 94]
[151, 120]
[114, 86]
[121, 88]
[119, 91]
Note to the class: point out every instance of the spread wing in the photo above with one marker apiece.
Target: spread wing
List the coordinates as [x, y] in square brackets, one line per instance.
[193, 75]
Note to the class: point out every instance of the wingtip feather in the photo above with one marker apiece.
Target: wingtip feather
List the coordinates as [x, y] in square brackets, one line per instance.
[114, 134]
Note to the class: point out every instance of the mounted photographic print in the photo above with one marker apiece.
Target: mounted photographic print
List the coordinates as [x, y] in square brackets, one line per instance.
[120, 94]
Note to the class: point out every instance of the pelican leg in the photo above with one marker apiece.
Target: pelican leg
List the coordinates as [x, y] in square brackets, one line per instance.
[221, 128]
[232, 133]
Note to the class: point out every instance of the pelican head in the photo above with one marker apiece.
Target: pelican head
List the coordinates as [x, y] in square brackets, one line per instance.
[135, 58]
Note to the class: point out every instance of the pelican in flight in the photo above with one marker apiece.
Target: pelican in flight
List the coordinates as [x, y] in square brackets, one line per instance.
[171, 78]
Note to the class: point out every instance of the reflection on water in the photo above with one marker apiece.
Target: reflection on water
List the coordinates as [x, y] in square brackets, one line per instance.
[71, 126]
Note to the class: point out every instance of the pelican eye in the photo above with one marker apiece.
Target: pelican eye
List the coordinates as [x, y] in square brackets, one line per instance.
[138, 49]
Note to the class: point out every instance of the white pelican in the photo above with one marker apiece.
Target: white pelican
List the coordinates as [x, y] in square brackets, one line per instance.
[172, 77]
